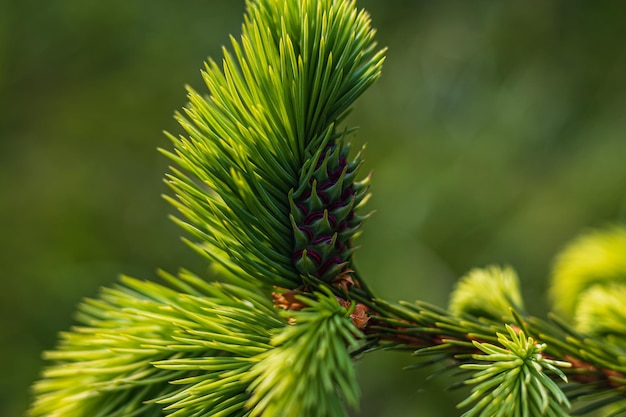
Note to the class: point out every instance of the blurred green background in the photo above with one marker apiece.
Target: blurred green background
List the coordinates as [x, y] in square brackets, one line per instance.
[496, 134]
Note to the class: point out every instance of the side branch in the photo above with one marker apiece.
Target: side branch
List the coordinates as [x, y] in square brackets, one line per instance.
[436, 336]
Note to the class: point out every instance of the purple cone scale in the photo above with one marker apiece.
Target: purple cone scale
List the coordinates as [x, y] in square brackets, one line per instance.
[323, 214]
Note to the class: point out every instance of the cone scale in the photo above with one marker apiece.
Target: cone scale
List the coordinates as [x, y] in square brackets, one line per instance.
[323, 214]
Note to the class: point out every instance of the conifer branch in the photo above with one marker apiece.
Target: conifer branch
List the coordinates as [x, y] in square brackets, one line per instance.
[264, 181]
[265, 185]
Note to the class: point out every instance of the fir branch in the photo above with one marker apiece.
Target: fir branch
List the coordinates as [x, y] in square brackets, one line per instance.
[256, 141]
[265, 185]
[263, 162]
[597, 371]
[138, 337]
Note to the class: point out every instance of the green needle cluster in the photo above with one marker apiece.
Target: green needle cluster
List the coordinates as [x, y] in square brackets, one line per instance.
[143, 346]
[311, 361]
[513, 382]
